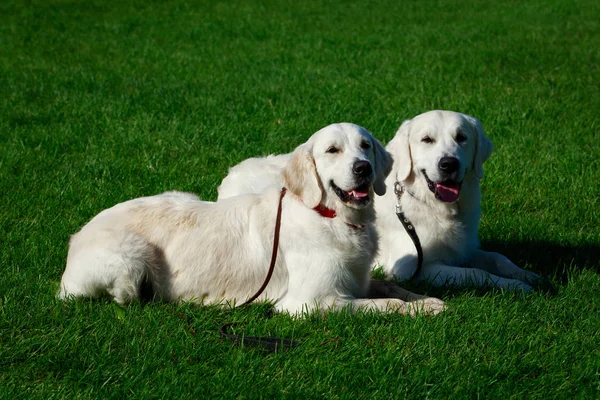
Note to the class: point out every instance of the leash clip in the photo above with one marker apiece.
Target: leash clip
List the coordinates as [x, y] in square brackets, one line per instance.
[399, 190]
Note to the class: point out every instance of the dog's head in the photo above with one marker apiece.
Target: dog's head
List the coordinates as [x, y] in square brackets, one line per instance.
[439, 149]
[340, 164]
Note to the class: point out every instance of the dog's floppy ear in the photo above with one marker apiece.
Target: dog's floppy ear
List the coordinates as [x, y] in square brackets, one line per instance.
[383, 166]
[300, 176]
[400, 150]
[483, 146]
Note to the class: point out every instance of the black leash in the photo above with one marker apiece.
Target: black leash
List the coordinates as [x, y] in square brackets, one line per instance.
[266, 343]
[409, 228]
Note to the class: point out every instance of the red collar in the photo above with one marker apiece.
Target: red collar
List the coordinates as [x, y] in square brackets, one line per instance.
[325, 212]
[329, 213]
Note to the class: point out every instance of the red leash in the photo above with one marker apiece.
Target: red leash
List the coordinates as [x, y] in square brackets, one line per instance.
[273, 253]
[267, 343]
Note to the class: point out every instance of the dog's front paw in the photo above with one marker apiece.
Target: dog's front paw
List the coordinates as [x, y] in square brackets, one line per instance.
[519, 286]
[428, 306]
[531, 278]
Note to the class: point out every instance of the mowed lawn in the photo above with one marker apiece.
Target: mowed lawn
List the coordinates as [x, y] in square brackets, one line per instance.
[104, 101]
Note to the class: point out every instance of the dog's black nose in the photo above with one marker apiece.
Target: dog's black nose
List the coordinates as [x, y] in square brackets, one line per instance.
[362, 168]
[448, 165]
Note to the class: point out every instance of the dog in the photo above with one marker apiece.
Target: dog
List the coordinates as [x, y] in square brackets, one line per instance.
[439, 158]
[219, 252]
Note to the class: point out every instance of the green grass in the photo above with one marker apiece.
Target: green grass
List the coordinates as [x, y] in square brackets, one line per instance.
[105, 101]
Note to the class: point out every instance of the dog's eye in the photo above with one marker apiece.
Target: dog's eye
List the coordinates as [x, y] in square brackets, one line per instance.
[427, 140]
[332, 150]
[461, 137]
[365, 145]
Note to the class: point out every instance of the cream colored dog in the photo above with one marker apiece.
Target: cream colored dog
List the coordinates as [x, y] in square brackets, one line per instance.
[191, 250]
[439, 158]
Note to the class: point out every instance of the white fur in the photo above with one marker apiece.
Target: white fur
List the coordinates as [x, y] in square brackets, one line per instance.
[447, 231]
[191, 250]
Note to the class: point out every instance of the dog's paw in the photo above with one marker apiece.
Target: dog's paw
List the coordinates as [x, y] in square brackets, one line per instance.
[519, 286]
[428, 306]
[531, 278]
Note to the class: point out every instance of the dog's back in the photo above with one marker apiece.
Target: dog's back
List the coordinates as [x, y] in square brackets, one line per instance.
[171, 241]
[253, 175]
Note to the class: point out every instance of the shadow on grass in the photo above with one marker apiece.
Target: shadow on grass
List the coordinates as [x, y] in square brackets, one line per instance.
[552, 261]
[549, 259]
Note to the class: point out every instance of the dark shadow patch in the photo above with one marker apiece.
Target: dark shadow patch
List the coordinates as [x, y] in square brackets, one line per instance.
[449, 292]
[551, 260]
[157, 279]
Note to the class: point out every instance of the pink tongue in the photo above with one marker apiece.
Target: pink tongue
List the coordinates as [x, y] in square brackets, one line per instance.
[359, 194]
[448, 194]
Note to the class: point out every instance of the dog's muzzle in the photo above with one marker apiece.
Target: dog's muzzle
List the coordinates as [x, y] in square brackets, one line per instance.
[448, 190]
[363, 177]
[359, 196]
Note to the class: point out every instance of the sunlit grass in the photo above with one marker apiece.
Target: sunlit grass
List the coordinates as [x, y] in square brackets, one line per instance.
[105, 101]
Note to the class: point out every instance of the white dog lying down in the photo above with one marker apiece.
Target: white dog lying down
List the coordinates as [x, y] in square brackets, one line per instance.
[206, 252]
[438, 163]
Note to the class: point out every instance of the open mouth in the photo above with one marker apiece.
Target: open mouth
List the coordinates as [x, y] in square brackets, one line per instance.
[446, 191]
[357, 196]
